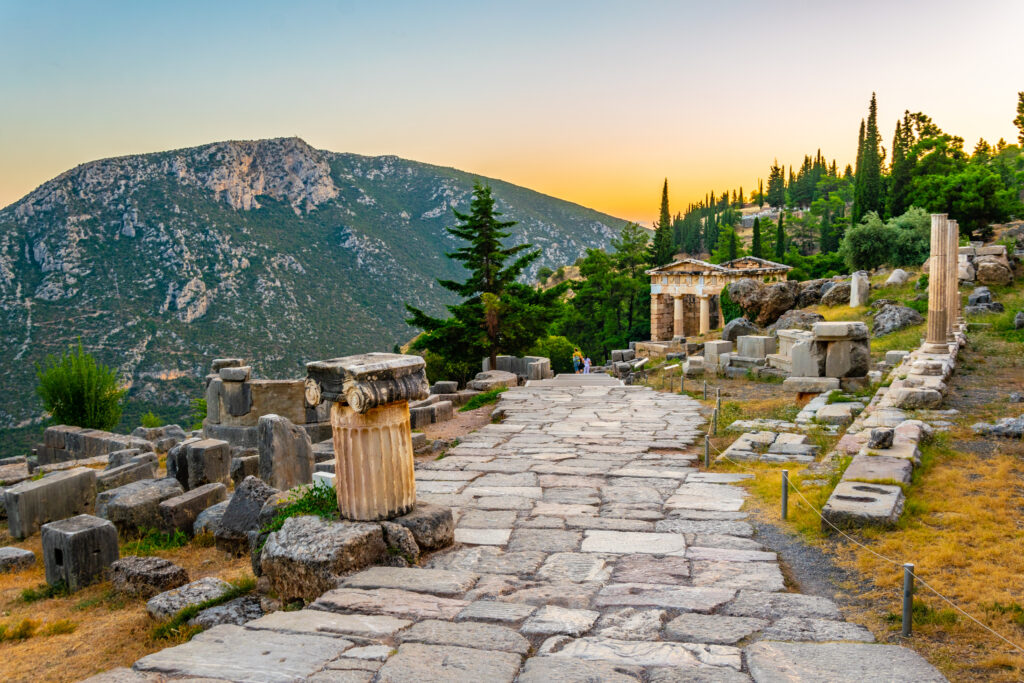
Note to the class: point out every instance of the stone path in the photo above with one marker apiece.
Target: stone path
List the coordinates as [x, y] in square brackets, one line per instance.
[589, 548]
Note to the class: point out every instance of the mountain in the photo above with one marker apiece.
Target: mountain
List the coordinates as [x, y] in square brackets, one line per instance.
[269, 250]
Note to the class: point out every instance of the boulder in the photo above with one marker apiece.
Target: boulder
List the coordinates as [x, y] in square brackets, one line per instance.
[135, 508]
[881, 437]
[796, 320]
[746, 293]
[1018, 320]
[432, 526]
[144, 577]
[238, 611]
[837, 295]
[810, 293]
[848, 358]
[165, 605]
[892, 318]
[118, 458]
[310, 555]
[980, 295]
[242, 515]
[244, 466]
[897, 277]
[285, 453]
[402, 548]
[776, 299]
[738, 327]
[991, 271]
[980, 309]
[208, 521]
[15, 559]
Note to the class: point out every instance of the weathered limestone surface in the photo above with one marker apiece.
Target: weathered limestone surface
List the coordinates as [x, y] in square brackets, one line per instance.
[77, 551]
[285, 453]
[56, 496]
[146, 576]
[609, 552]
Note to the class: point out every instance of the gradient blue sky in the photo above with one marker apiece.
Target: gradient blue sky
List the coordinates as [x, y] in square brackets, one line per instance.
[595, 102]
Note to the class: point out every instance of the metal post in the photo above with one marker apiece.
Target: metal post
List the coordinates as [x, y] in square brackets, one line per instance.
[785, 494]
[707, 452]
[714, 422]
[908, 598]
[682, 378]
[705, 390]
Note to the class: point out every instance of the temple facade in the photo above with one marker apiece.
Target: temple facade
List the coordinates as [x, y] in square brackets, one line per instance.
[685, 293]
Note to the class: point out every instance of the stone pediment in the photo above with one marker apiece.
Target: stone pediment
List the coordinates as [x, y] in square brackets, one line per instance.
[687, 265]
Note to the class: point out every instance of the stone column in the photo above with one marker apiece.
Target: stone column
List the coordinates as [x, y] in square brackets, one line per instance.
[705, 315]
[370, 424]
[952, 279]
[677, 316]
[935, 342]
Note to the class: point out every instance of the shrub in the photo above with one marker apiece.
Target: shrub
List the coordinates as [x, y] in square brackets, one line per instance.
[319, 499]
[77, 390]
[439, 368]
[150, 420]
[198, 412]
[152, 540]
[902, 241]
[558, 349]
[543, 273]
[730, 309]
[481, 400]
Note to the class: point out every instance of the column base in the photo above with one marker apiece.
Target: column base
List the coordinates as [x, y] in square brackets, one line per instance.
[935, 347]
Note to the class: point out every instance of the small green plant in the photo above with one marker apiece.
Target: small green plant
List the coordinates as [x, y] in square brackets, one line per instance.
[177, 627]
[77, 390]
[150, 421]
[112, 599]
[730, 309]
[198, 412]
[153, 540]
[923, 613]
[319, 499]
[484, 399]
[43, 592]
[1015, 611]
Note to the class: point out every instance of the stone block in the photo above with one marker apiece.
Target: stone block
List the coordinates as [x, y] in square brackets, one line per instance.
[219, 363]
[207, 462]
[15, 559]
[213, 391]
[713, 352]
[165, 605]
[442, 411]
[235, 399]
[78, 551]
[177, 462]
[756, 346]
[445, 387]
[911, 398]
[54, 436]
[209, 519]
[847, 359]
[240, 373]
[146, 576]
[324, 478]
[285, 453]
[244, 466]
[810, 385]
[879, 468]
[493, 379]
[450, 663]
[897, 277]
[56, 496]
[895, 357]
[309, 555]
[125, 474]
[135, 507]
[855, 504]
[808, 359]
[180, 512]
[839, 331]
[836, 414]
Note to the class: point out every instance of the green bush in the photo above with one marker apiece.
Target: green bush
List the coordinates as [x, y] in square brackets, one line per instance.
[151, 421]
[456, 370]
[902, 241]
[198, 412]
[481, 400]
[319, 499]
[77, 390]
[730, 309]
[558, 349]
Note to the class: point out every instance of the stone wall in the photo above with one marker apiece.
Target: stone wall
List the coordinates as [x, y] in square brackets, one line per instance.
[62, 443]
[527, 367]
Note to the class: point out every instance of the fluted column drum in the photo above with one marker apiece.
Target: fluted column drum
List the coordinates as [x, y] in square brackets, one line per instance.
[373, 461]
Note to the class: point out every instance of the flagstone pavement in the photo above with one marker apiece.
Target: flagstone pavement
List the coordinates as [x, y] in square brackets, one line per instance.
[589, 547]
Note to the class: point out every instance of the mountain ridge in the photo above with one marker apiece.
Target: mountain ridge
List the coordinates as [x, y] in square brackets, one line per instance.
[268, 249]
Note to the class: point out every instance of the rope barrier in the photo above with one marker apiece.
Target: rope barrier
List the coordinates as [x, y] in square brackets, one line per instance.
[853, 540]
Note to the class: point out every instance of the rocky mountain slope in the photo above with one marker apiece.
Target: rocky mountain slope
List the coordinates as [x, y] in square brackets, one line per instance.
[270, 250]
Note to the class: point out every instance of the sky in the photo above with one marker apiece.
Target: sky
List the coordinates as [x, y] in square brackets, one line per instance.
[593, 102]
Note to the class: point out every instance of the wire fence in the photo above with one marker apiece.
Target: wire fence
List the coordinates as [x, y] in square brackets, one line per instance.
[917, 577]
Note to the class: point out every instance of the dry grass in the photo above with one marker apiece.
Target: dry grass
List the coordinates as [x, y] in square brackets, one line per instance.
[92, 630]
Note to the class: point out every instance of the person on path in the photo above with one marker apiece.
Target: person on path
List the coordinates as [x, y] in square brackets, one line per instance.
[586, 366]
[577, 361]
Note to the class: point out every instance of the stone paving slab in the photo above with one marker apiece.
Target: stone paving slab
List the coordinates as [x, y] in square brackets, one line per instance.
[589, 547]
[838, 663]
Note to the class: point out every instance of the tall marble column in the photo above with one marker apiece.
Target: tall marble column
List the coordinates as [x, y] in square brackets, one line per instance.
[705, 315]
[677, 317]
[952, 279]
[935, 341]
[371, 432]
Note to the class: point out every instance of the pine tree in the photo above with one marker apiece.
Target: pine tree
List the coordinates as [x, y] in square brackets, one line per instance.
[780, 241]
[661, 245]
[776, 186]
[755, 244]
[901, 171]
[867, 193]
[497, 314]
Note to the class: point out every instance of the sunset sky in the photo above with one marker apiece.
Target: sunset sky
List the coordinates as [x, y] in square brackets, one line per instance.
[594, 102]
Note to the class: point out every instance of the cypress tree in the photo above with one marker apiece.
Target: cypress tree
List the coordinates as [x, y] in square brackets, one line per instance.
[755, 245]
[760, 193]
[780, 241]
[900, 174]
[661, 245]
[733, 246]
[867, 192]
[741, 196]
[858, 179]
